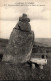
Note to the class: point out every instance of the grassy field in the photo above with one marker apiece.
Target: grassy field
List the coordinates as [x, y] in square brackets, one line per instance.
[35, 74]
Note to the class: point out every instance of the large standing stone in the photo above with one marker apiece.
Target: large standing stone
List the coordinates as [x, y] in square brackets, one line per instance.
[20, 43]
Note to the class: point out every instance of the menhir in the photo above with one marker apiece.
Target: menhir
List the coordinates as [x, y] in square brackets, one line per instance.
[21, 41]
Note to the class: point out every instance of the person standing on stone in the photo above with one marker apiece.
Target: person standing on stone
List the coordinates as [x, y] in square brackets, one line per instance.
[21, 41]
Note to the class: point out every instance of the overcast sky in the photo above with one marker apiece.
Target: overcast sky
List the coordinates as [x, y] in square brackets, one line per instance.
[39, 16]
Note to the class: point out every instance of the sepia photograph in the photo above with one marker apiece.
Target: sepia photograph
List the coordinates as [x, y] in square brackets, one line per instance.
[25, 40]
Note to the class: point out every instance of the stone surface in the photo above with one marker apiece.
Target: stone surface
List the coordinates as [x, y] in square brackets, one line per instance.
[24, 18]
[23, 26]
[20, 44]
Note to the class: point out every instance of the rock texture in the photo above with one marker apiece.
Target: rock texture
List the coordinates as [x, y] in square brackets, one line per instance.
[19, 50]
[20, 43]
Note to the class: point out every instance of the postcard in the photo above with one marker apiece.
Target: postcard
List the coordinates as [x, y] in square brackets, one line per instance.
[25, 40]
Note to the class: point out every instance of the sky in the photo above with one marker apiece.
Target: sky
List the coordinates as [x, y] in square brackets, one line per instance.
[39, 17]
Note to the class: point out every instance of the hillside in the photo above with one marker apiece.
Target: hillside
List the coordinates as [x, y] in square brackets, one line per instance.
[46, 41]
[38, 41]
